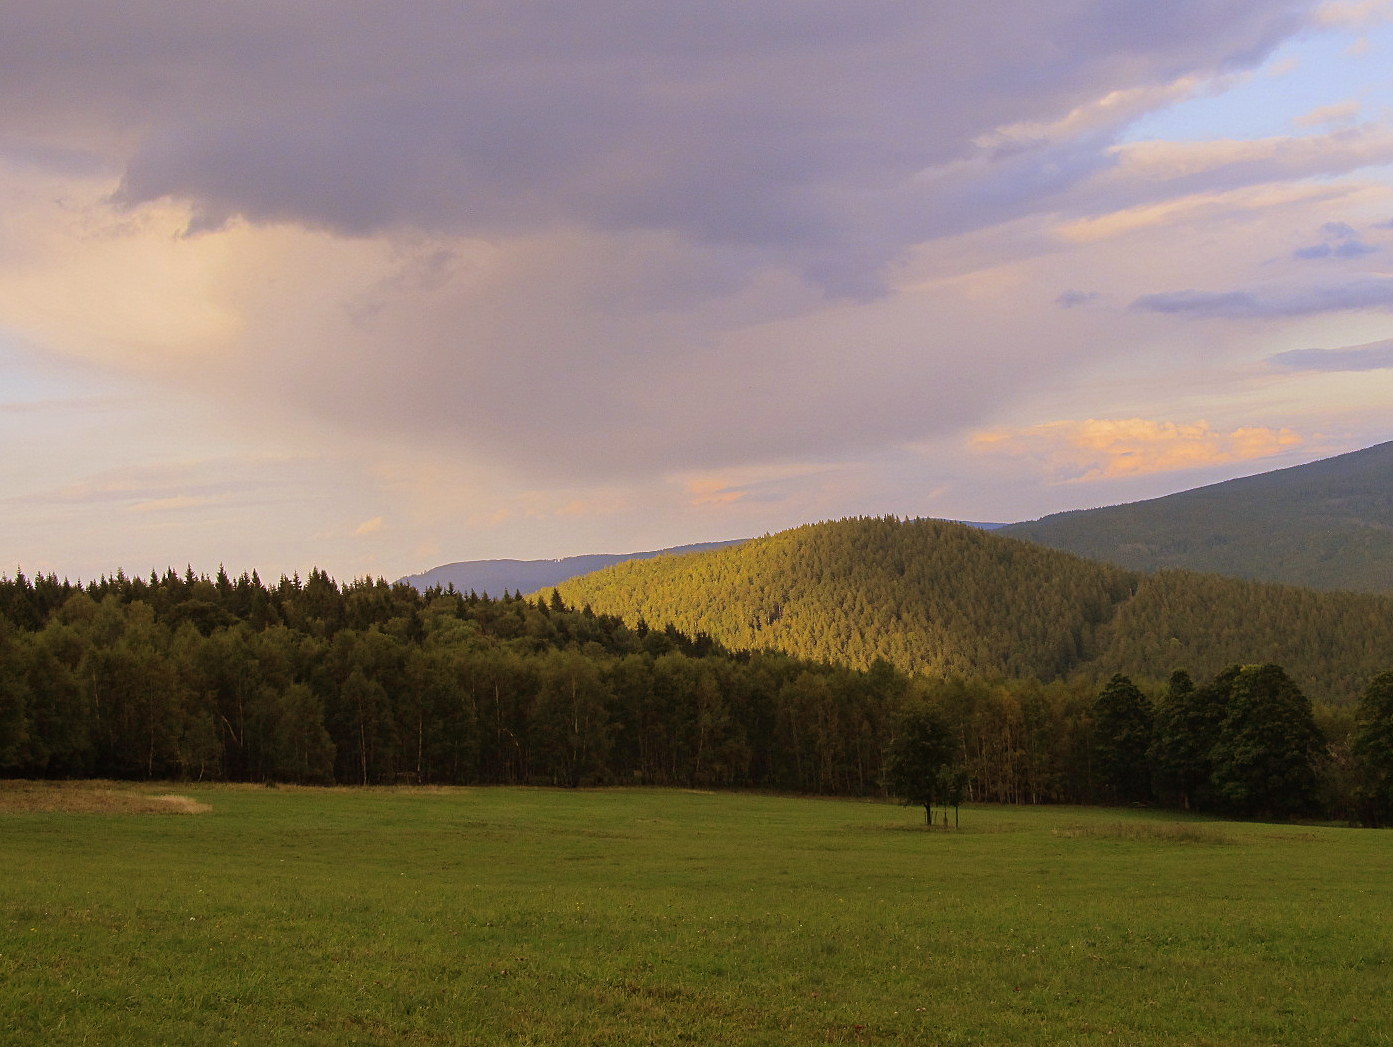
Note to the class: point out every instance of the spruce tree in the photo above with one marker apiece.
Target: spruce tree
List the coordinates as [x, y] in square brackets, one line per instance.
[1185, 728]
[1269, 747]
[1372, 748]
[1121, 737]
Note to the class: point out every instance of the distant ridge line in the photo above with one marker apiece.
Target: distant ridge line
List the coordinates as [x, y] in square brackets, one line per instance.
[495, 577]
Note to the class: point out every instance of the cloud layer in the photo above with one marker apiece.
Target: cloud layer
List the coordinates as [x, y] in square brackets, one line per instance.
[1103, 448]
[1372, 356]
[589, 262]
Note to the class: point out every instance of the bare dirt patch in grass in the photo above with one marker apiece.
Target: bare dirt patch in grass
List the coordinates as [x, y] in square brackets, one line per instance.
[22, 797]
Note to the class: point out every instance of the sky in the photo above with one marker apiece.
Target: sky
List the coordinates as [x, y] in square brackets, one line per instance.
[375, 287]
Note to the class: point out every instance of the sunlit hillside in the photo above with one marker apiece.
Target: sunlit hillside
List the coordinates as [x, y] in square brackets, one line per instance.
[946, 599]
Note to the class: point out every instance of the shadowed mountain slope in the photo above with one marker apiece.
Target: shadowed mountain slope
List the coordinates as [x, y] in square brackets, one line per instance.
[1325, 525]
[946, 599]
[496, 577]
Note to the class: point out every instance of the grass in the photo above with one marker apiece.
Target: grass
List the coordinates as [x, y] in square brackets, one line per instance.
[625, 917]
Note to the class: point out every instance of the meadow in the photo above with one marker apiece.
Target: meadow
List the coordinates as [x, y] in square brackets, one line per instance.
[242, 915]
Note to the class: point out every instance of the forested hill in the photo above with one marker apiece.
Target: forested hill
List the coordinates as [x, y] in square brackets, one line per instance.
[1326, 525]
[946, 599]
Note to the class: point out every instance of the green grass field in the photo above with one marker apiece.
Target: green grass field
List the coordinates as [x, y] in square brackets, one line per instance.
[509, 916]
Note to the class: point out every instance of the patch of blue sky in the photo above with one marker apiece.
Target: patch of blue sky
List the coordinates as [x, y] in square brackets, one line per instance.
[1315, 71]
[25, 380]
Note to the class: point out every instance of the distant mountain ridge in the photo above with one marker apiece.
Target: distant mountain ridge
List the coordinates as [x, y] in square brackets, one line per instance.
[1324, 525]
[496, 577]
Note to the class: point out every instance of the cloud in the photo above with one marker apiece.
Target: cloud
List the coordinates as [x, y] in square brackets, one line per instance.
[773, 125]
[1207, 304]
[707, 492]
[1340, 114]
[1193, 209]
[171, 504]
[587, 246]
[1371, 356]
[368, 527]
[1354, 14]
[1220, 164]
[1346, 249]
[1369, 292]
[1342, 241]
[1094, 448]
[1073, 299]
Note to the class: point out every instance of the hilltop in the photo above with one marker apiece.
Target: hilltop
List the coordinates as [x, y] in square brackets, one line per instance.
[946, 599]
[1324, 525]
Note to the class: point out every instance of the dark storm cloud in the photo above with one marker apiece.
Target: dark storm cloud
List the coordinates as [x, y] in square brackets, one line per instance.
[1372, 356]
[791, 128]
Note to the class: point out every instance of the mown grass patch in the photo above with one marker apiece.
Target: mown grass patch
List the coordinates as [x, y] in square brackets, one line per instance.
[111, 798]
[627, 917]
[1148, 832]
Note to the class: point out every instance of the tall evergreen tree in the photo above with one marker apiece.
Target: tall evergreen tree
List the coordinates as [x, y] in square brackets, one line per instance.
[1185, 729]
[1372, 748]
[1269, 748]
[1122, 720]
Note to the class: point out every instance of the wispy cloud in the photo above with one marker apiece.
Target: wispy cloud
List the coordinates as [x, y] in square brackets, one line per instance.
[1345, 249]
[1074, 299]
[173, 503]
[1341, 240]
[1371, 356]
[1354, 14]
[1368, 292]
[1341, 114]
[1104, 448]
[178, 485]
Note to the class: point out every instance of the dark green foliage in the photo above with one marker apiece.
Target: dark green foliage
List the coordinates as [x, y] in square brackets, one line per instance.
[13, 719]
[1326, 525]
[1372, 751]
[369, 682]
[1186, 726]
[919, 761]
[1267, 754]
[186, 677]
[1122, 731]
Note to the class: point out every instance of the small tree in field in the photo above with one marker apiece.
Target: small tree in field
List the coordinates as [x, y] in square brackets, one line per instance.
[919, 764]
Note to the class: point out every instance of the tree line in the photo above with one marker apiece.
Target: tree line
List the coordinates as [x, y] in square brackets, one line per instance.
[185, 676]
